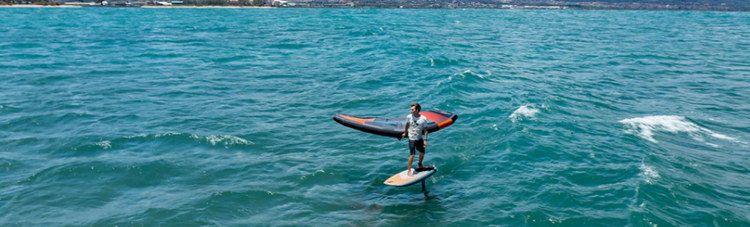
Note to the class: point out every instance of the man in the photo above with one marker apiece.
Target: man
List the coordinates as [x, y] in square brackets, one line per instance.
[416, 128]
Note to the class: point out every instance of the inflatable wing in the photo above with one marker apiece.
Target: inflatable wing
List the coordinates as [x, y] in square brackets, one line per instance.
[436, 120]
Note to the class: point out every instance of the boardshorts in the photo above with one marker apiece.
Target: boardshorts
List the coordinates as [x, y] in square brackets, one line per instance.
[418, 144]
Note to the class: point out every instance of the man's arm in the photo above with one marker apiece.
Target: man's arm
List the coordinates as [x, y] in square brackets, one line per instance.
[425, 137]
[406, 129]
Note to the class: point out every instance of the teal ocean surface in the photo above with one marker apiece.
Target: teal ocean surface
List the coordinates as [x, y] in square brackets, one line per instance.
[223, 117]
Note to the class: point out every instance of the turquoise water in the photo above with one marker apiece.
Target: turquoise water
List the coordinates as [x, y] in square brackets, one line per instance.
[223, 117]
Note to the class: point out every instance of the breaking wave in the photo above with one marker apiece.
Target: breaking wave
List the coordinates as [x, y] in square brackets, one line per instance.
[645, 127]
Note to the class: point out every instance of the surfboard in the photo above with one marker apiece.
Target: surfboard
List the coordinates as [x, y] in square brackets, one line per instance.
[436, 120]
[402, 179]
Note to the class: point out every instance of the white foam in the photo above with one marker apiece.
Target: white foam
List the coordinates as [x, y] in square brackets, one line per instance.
[227, 140]
[649, 173]
[645, 127]
[525, 111]
[472, 73]
[720, 136]
[137, 136]
[104, 144]
[468, 72]
[168, 134]
[556, 220]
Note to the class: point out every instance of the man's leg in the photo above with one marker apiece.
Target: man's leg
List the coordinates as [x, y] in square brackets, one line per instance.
[421, 157]
[412, 146]
[411, 158]
[420, 148]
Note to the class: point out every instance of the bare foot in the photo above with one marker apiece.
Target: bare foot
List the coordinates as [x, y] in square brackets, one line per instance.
[408, 172]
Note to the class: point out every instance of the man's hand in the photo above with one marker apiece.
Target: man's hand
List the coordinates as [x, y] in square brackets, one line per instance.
[403, 135]
[425, 144]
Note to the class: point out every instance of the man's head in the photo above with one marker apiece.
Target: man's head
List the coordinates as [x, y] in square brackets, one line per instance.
[415, 108]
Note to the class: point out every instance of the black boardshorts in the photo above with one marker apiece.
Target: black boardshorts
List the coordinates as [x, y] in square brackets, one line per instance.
[418, 144]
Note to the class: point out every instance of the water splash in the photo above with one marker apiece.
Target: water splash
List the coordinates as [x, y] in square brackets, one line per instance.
[648, 173]
[528, 111]
[645, 127]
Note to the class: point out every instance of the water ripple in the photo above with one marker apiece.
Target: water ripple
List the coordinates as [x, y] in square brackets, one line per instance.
[114, 116]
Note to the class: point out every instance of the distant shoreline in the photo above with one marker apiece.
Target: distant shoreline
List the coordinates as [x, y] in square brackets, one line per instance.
[520, 7]
[95, 6]
[36, 6]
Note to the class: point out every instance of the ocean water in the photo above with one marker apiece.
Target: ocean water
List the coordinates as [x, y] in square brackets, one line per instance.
[223, 117]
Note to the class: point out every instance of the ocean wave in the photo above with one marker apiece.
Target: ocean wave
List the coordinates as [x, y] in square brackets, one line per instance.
[445, 62]
[226, 140]
[468, 74]
[645, 127]
[527, 111]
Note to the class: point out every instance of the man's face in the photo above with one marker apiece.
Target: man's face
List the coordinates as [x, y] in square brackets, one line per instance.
[414, 110]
